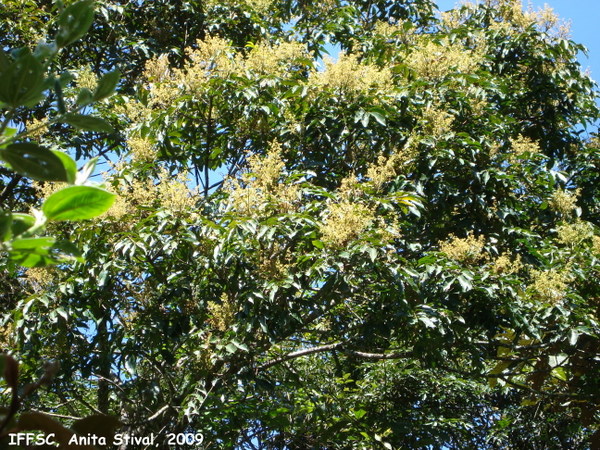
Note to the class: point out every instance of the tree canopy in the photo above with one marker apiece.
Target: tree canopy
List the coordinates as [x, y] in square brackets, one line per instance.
[395, 247]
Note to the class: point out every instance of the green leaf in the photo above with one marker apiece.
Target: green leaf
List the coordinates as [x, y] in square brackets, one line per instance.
[378, 115]
[32, 252]
[107, 85]
[44, 51]
[21, 80]
[465, 283]
[573, 337]
[21, 223]
[5, 225]
[241, 346]
[43, 251]
[34, 162]
[7, 134]
[4, 61]
[559, 372]
[88, 123]
[372, 253]
[74, 22]
[86, 171]
[359, 413]
[500, 367]
[319, 244]
[33, 243]
[69, 165]
[231, 348]
[84, 97]
[77, 203]
[67, 251]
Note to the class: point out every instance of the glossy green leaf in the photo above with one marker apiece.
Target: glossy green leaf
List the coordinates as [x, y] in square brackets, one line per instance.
[77, 203]
[319, 244]
[378, 115]
[32, 252]
[5, 225]
[7, 134]
[87, 123]
[21, 223]
[86, 171]
[74, 22]
[107, 85]
[21, 80]
[359, 413]
[43, 251]
[84, 97]
[34, 161]
[560, 373]
[33, 243]
[231, 348]
[69, 165]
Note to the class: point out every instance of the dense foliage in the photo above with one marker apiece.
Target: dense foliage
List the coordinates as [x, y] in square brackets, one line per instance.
[396, 247]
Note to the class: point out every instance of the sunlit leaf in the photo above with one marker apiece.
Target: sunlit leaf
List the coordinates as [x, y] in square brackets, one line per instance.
[77, 203]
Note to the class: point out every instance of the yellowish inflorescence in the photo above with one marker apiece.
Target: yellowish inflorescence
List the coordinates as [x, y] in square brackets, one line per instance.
[169, 192]
[141, 149]
[263, 188]
[47, 188]
[8, 336]
[40, 277]
[274, 264]
[435, 60]
[523, 146]
[347, 74]
[346, 221]
[214, 58]
[396, 31]
[258, 6]
[157, 69]
[574, 234]
[596, 245]
[549, 285]
[87, 79]
[272, 60]
[36, 129]
[511, 19]
[564, 202]
[506, 265]
[211, 57]
[222, 313]
[468, 250]
[436, 122]
[351, 215]
[387, 168]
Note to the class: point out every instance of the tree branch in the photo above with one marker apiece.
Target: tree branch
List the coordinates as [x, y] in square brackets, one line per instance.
[7, 191]
[298, 354]
[329, 347]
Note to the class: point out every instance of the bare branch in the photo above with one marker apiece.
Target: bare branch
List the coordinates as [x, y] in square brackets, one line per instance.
[158, 413]
[60, 416]
[330, 347]
[298, 354]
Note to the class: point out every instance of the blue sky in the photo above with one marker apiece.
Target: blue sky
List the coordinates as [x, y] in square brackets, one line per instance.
[584, 16]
